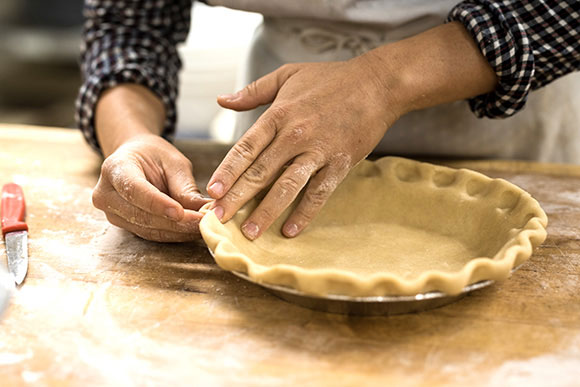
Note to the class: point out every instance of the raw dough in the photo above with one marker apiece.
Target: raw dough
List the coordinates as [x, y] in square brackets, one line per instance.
[393, 227]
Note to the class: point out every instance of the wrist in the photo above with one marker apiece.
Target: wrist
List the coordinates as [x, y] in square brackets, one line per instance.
[384, 84]
[440, 65]
[124, 112]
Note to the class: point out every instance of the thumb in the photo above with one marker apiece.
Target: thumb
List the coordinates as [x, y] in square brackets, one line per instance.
[183, 189]
[260, 92]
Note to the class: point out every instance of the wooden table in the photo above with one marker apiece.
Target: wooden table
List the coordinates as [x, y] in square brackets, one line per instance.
[101, 306]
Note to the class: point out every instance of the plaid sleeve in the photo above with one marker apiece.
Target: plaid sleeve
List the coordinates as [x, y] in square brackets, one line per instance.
[131, 41]
[528, 43]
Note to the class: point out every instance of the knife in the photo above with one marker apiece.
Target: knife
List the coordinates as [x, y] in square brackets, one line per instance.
[15, 230]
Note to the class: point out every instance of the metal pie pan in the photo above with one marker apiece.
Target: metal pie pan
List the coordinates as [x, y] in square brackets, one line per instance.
[366, 306]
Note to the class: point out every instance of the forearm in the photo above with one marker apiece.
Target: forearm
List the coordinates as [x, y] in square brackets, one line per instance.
[440, 65]
[125, 111]
[117, 52]
[528, 43]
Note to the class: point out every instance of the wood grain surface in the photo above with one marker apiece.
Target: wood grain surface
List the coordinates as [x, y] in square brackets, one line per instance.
[102, 307]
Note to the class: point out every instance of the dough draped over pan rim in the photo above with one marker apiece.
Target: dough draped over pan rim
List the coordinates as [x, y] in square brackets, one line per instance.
[455, 227]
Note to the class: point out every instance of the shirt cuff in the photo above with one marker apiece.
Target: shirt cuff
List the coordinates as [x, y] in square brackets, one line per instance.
[503, 41]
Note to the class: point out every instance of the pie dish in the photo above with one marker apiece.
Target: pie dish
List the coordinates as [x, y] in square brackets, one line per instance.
[393, 227]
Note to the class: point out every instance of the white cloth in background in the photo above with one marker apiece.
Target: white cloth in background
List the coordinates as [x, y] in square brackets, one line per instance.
[547, 129]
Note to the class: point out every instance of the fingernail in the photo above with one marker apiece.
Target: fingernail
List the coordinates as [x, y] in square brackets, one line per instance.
[219, 212]
[229, 97]
[250, 230]
[172, 213]
[216, 188]
[291, 230]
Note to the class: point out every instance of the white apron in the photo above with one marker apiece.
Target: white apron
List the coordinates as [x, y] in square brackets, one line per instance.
[548, 129]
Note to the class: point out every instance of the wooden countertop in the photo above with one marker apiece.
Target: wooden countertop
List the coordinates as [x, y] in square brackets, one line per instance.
[101, 306]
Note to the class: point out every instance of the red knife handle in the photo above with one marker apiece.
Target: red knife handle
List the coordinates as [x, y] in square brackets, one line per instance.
[13, 209]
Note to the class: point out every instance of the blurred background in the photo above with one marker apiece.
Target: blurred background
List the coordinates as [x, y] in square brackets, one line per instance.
[40, 77]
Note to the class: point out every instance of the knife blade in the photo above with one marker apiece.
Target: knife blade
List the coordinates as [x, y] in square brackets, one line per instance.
[15, 230]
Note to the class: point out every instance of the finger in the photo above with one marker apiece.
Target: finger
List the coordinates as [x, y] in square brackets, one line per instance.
[152, 234]
[260, 92]
[321, 186]
[245, 151]
[112, 203]
[182, 187]
[280, 196]
[130, 182]
[257, 177]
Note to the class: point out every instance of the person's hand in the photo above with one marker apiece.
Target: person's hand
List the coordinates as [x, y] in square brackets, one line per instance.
[324, 119]
[147, 187]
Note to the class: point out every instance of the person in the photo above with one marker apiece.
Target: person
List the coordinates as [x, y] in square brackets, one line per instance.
[328, 83]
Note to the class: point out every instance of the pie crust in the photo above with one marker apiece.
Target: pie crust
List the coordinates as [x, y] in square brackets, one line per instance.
[393, 227]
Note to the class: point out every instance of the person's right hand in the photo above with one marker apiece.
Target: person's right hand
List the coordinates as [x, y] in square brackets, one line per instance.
[147, 187]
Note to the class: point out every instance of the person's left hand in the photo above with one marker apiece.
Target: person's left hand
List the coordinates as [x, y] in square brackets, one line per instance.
[324, 119]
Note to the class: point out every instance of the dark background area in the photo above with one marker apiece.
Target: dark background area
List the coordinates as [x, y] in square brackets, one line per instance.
[39, 49]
